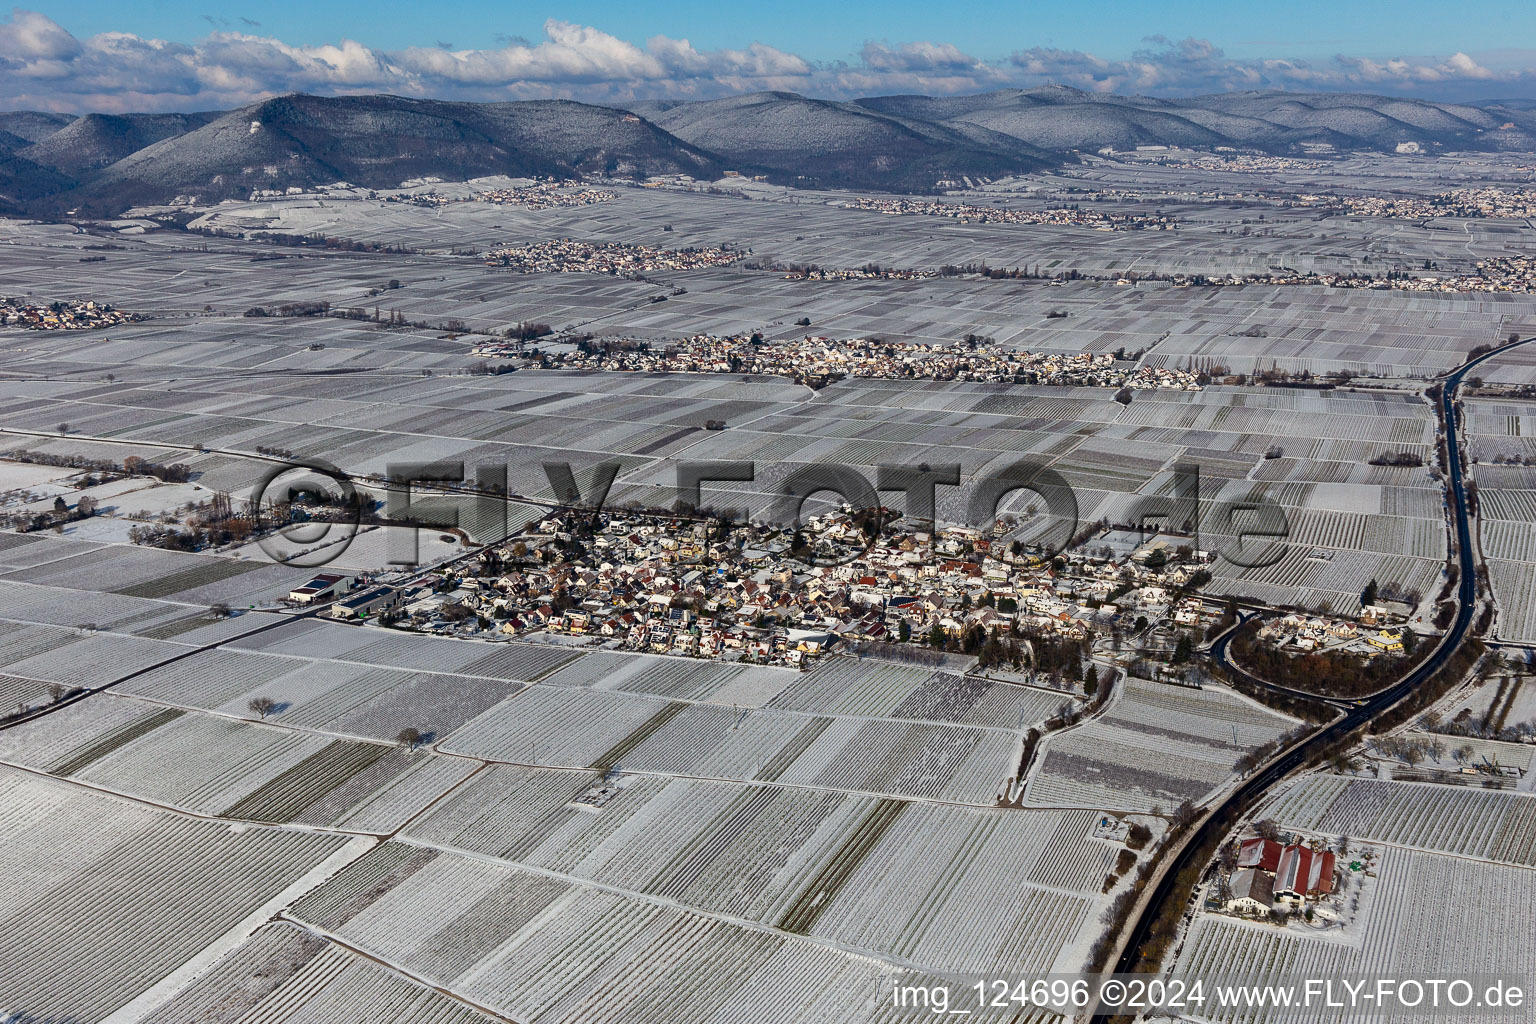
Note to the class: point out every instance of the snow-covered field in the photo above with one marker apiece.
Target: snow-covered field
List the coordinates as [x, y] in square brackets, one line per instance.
[64, 849]
[1490, 825]
[1155, 746]
[1501, 431]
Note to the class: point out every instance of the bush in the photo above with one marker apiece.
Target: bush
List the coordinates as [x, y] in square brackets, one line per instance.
[1398, 459]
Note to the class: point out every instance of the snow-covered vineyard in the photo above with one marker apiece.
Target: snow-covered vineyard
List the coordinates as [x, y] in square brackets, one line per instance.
[1501, 437]
[114, 932]
[902, 758]
[544, 949]
[1490, 825]
[1157, 746]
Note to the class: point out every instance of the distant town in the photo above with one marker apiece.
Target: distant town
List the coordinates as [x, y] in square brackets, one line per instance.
[1485, 201]
[60, 316]
[970, 213]
[565, 256]
[816, 359]
[541, 195]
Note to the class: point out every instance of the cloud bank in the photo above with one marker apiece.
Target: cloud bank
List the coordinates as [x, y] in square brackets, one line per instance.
[43, 66]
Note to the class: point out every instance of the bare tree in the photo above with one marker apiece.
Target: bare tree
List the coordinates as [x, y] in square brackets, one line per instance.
[57, 692]
[408, 737]
[1185, 814]
[262, 706]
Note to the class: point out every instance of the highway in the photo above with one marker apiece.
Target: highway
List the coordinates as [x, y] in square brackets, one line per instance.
[1248, 793]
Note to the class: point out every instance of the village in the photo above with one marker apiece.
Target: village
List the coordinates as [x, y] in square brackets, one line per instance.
[60, 316]
[540, 195]
[868, 272]
[545, 195]
[1512, 274]
[1483, 201]
[814, 359]
[566, 256]
[968, 213]
[671, 585]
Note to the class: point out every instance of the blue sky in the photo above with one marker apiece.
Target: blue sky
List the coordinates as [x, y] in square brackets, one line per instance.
[186, 55]
[827, 31]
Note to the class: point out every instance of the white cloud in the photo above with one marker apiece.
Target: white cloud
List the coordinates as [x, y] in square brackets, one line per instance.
[1195, 65]
[31, 36]
[926, 58]
[43, 65]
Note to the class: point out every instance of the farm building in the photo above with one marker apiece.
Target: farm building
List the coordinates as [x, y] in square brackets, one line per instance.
[360, 606]
[1295, 872]
[1250, 891]
[1303, 873]
[323, 587]
[1263, 854]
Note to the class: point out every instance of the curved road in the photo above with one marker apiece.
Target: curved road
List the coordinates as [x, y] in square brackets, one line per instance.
[1256, 785]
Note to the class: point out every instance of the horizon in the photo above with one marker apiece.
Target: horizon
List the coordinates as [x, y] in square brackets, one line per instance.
[1490, 102]
[87, 56]
[1512, 102]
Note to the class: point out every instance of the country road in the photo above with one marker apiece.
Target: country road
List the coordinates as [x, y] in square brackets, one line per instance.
[1252, 789]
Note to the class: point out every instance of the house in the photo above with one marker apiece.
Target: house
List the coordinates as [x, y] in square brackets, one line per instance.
[323, 587]
[1373, 615]
[1250, 891]
[1385, 640]
[618, 624]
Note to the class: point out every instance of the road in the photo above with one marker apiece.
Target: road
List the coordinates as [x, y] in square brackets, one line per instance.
[1246, 794]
